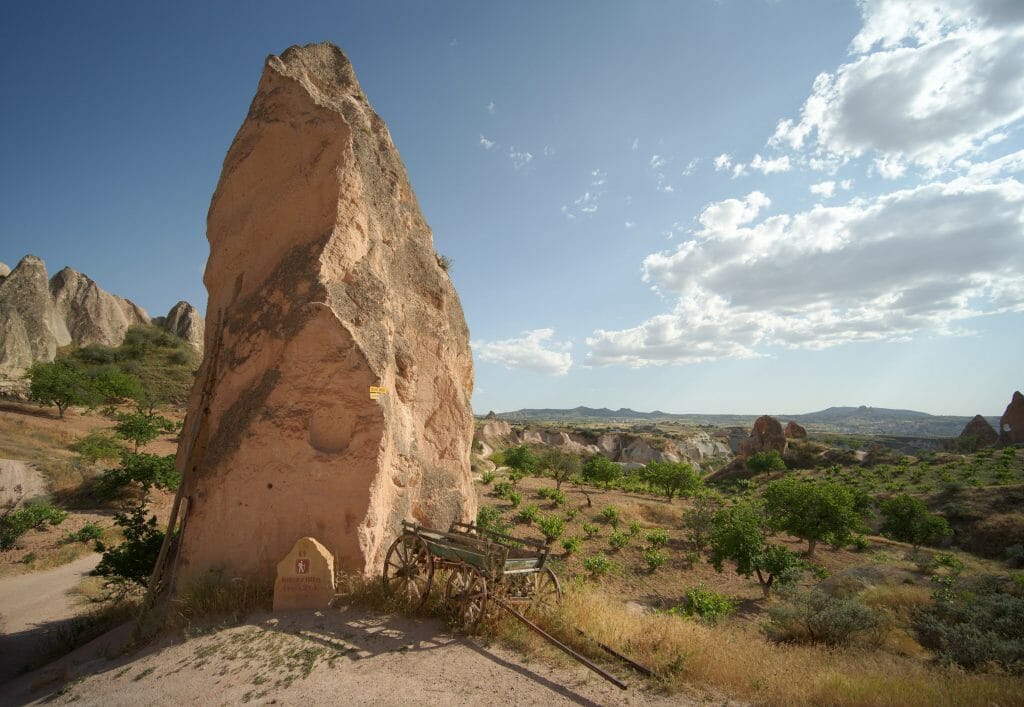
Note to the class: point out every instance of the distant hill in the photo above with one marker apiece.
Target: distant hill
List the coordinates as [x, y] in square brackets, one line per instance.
[846, 420]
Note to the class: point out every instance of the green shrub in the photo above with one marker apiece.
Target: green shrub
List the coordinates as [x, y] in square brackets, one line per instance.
[815, 617]
[598, 565]
[487, 477]
[529, 514]
[1015, 555]
[552, 527]
[515, 498]
[706, 605]
[612, 515]
[490, 518]
[501, 489]
[571, 513]
[654, 558]
[591, 530]
[618, 540]
[98, 445]
[89, 531]
[134, 559]
[634, 528]
[860, 543]
[556, 496]
[572, 544]
[907, 519]
[657, 538]
[15, 523]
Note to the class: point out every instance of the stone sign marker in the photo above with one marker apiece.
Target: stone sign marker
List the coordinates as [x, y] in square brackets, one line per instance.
[305, 577]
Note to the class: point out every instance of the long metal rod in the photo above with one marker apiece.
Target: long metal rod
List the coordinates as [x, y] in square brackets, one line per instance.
[566, 649]
[640, 667]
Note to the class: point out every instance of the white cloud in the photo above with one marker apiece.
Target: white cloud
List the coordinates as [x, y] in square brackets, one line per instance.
[519, 158]
[920, 260]
[490, 108]
[657, 161]
[666, 188]
[846, 184]
[533, 351]
[779, 164]
[928, 82]
[691, 167]
[485, 143]
[739, 170]
[824, 189]
[636, 144]
[723, 162]
[630, 224]
[548, 151]
[589, 202]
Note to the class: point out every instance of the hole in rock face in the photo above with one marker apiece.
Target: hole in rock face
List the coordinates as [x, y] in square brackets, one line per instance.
[270, 486]
[330, 429]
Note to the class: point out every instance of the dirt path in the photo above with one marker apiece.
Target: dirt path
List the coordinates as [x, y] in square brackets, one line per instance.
[32, 609]
[338, 656]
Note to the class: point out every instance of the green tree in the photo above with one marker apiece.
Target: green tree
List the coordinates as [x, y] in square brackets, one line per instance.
[737, 535]
[143, 473]
[601, 470]
[816, 510]
[61, 384]
[560, 464]
[112, 385]
[698, 519]
[766, 462]
[907, 519]
[521, 459]
[672, 478]
[141, 428]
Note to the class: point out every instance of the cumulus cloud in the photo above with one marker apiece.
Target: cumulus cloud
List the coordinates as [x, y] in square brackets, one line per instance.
[485, 143]
[657, 161]
[532, 351]
[922, 259]
[824, 189]
[722, 162]
[764, 166]
[630, 224]
[927, 82]
[519, 158]
[691, 167]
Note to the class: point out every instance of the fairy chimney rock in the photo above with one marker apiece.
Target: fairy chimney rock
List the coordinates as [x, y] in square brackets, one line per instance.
[766, 435]
[1011, 424]
[323, 282]
[795, 431]
[980, 430]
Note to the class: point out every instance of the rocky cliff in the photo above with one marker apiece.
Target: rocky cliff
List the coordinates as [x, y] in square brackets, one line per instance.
[185, 321]
[323, 281]
[31, 328]
[91, 315]
[1011, 424]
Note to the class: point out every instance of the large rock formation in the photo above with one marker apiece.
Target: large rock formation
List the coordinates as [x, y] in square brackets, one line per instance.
[323, 281]
[979, 430]
[4, 270]
[185, 321]
[91, 315]
[795, 431]
[765, 435]
[38, 316]
[1011, 424]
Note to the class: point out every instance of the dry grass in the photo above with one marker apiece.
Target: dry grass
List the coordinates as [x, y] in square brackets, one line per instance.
[215, 596]
[737, 660]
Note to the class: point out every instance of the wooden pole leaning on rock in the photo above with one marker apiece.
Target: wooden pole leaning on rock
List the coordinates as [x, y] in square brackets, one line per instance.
[153, 586]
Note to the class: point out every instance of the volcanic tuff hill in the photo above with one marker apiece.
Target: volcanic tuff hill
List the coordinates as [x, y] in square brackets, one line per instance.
[38, 315]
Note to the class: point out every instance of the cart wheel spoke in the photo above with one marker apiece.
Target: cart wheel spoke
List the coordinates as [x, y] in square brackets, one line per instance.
[466, 596]
[408, 571]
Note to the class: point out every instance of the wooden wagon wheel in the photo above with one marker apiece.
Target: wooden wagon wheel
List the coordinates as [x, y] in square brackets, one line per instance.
[408, 571]
[466, 596]
[545, 591]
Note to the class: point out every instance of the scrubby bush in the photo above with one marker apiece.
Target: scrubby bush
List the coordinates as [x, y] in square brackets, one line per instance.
[591, 530]
[763, 462]
[1015, 555]
[552, 527]
[529, 514]
[98, 445]
[654, 558]
[487, 477]
[571, 513]
[611, 515]
[815, 617]
[657, 538]
[490, 518]
[15, 523]
[634, 528]
[572, 544]
[501, 489]
[706, 605]
[556, 496]
[601, 470]
[618, 540]
[907, 519]
[598, 565]
[88, 532]
[515, 498]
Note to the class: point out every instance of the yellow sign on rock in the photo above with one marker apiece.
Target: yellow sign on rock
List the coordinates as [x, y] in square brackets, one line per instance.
[305, 577]
[376, 392]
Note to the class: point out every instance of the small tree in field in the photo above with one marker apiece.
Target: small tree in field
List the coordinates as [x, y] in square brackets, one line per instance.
[706, 503]
[521, 459]
[601, 470]
[60, 384]
[907, 519]
[672, 478]
[141, 428]
[737, 535]
[766, 462]
[560, 464]
[816, 510]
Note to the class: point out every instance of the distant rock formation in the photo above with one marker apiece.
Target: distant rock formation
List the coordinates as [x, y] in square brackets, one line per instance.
[795, 431]
[4, 270]
[38, 316]
[1011, 424]
[491, 416]
[185, 321]
[765, 435]
[323, 282]
[91, 315]
[978, 429]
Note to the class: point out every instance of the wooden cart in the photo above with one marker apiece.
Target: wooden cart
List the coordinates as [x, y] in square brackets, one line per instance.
[485, 568]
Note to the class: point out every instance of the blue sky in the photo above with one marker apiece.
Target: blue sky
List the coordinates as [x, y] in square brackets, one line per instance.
[691, 206]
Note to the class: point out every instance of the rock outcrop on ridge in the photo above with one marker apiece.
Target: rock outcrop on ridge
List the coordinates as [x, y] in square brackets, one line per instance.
[185, 321]
[980, 430]
[1011, 424]
[795, 431]
[323, 281]
[766, 434]
[39, 315]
